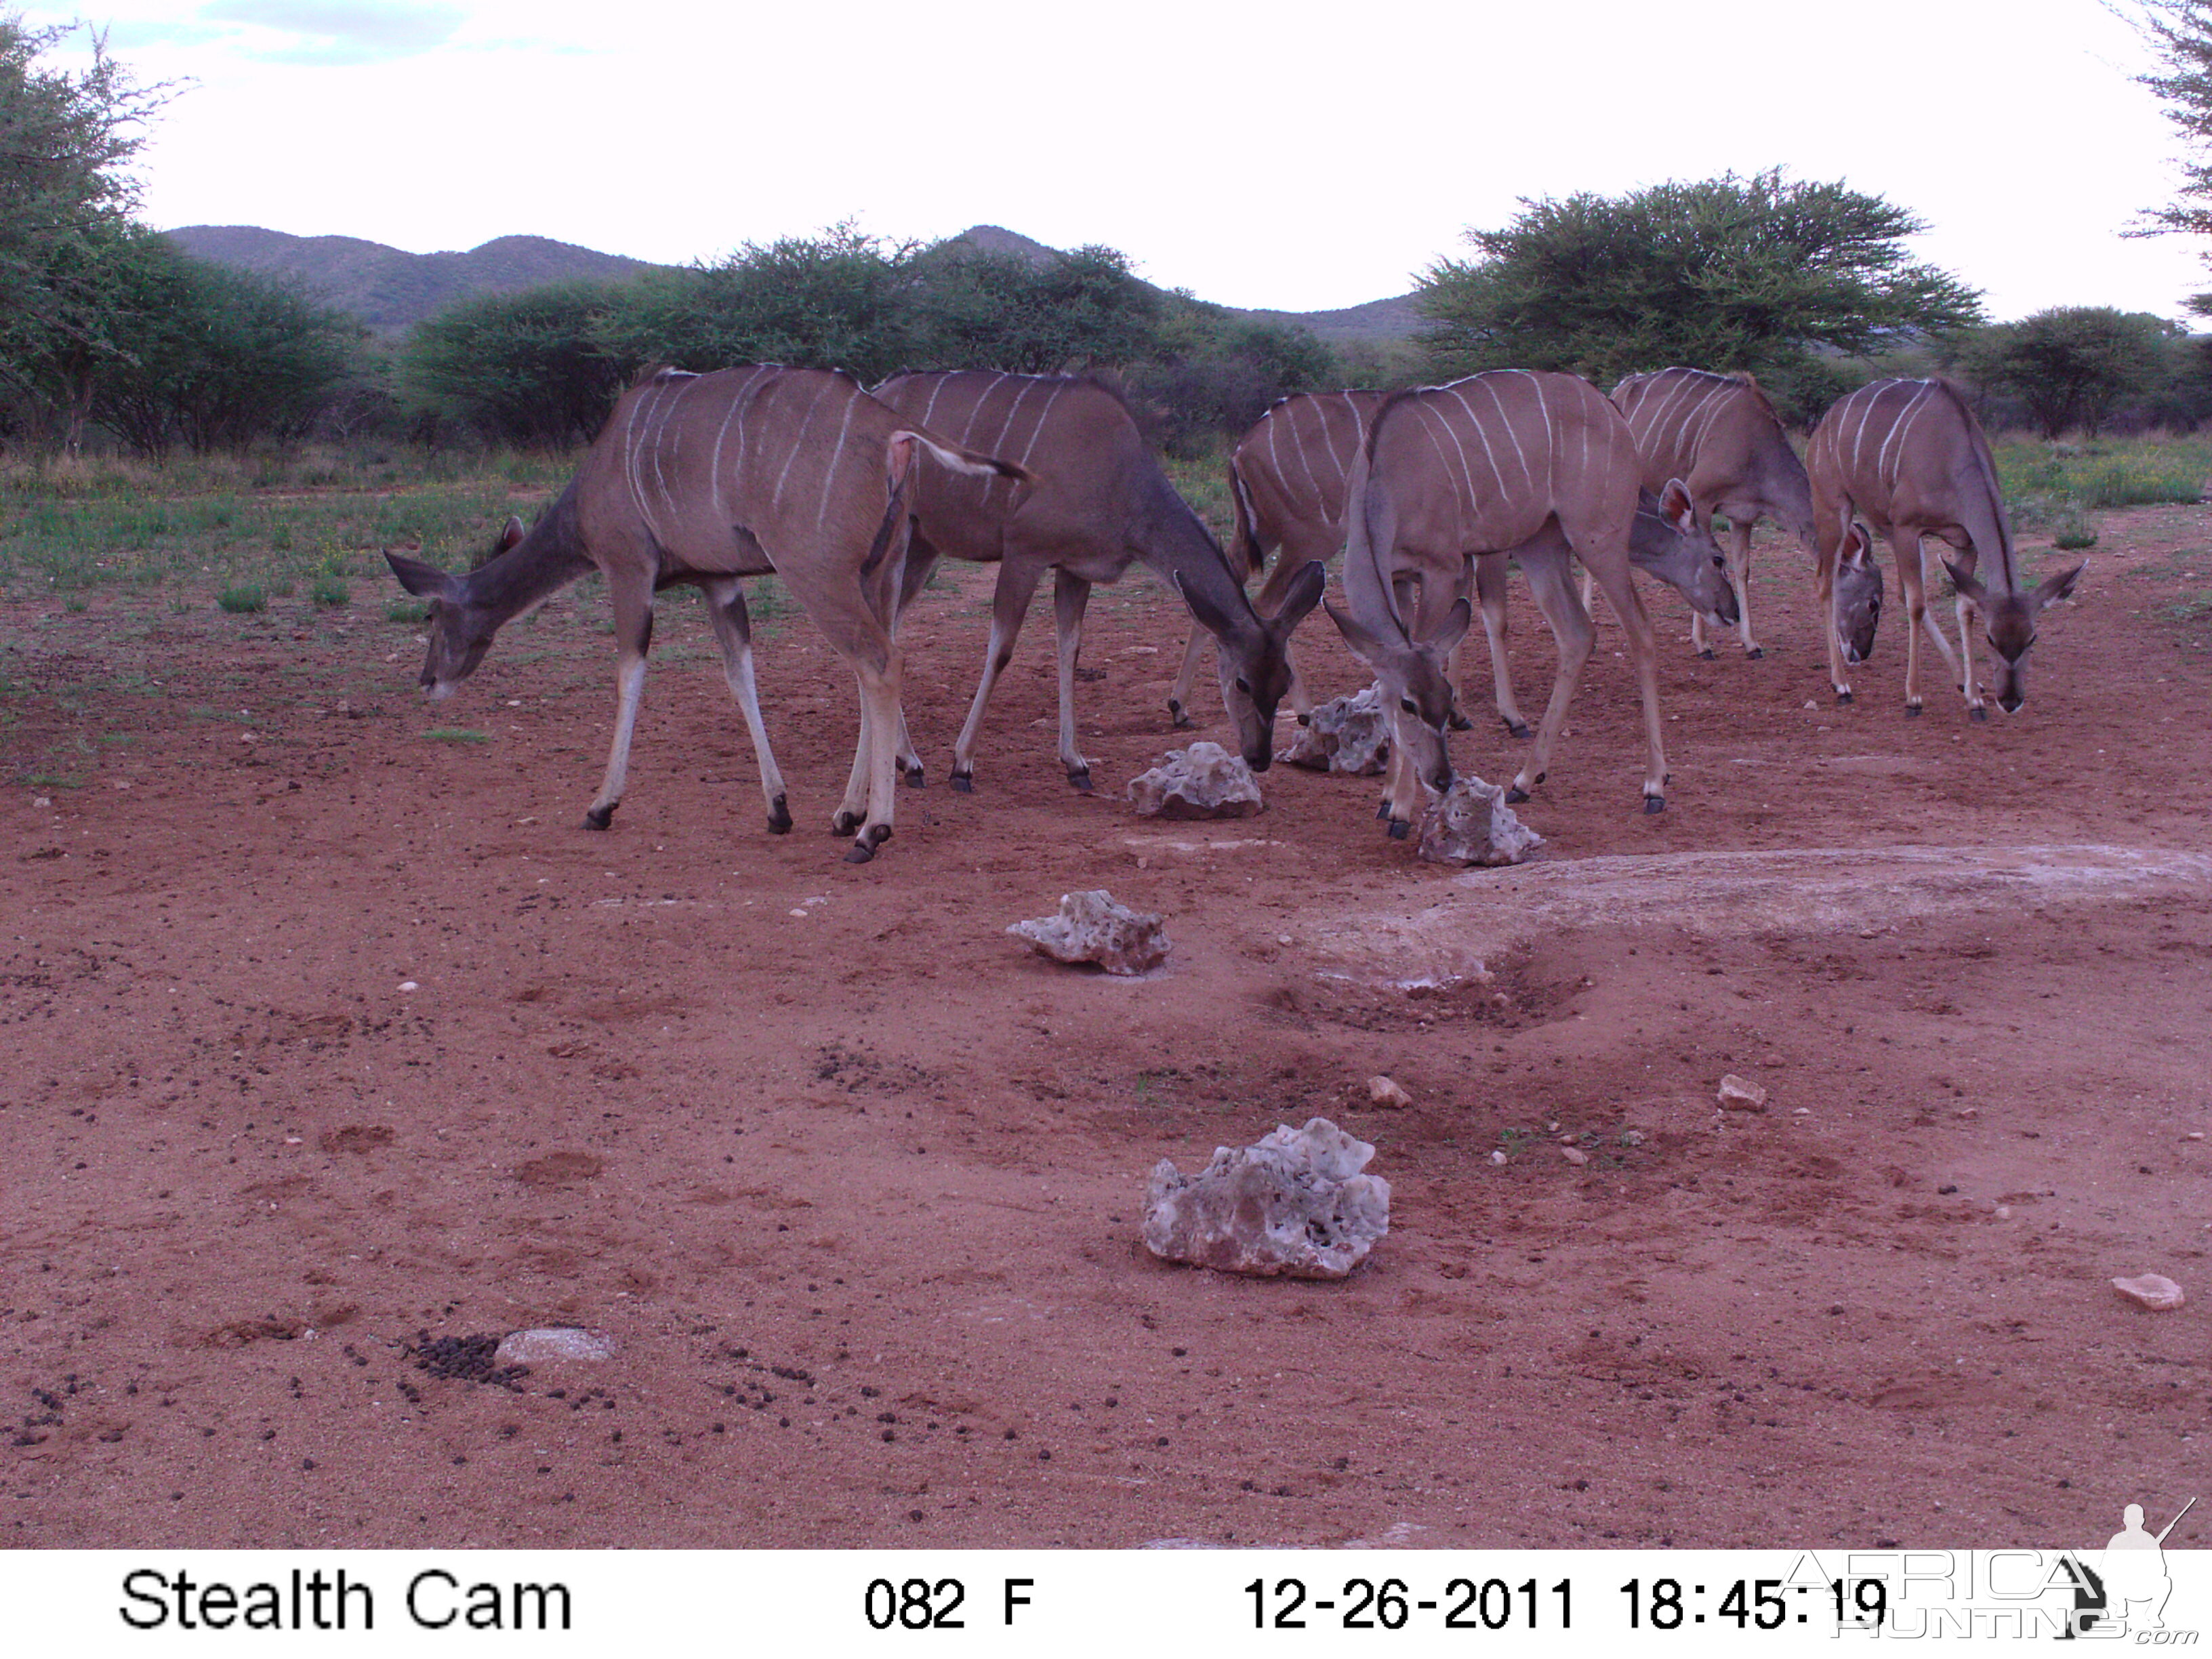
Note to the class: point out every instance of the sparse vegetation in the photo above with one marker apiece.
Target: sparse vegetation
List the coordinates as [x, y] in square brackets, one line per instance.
[244, 600]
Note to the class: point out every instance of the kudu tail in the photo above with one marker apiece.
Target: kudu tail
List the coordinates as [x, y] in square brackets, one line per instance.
[969, 462]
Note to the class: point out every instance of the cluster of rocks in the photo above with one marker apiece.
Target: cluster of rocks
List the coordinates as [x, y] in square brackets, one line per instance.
[1471, 823]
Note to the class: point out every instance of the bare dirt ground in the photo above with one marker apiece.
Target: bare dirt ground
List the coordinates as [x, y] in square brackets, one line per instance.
[854, 1181]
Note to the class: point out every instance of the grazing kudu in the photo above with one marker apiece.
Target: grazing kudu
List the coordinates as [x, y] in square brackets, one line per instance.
[1910, 458]
[705, 480]
[1720, 437]
[1286, 479]
[1536, 466]
[1100, 503]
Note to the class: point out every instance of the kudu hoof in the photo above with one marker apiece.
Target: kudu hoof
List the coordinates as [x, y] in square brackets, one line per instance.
[865, 848]
[599, 818]
[779, 818]
[844, 823]
[1654, 803]
[1382, 812]
[1517, 729]
[963, 783]
[1177, 714]
[1978, 714]
[1705, 655]
[1754, 653]
[1911, 710]
[1460, 723]
[1515, 795]
[1080, 777]
[914, 777]
[1842, 696]
[1399, 829]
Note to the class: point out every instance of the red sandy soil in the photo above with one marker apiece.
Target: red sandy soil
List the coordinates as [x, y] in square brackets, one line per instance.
[854, 1181]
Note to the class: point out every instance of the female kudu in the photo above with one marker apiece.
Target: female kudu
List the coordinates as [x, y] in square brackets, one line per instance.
[706, 479]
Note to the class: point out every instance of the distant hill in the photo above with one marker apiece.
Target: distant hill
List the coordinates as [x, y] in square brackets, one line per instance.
[388, 288]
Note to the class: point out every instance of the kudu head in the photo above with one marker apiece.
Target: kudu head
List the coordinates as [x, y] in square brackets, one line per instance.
[1415, 687]
[2010, 620]
[460, 630]
[1858, 594]
[1254, 653]
[1666, 541]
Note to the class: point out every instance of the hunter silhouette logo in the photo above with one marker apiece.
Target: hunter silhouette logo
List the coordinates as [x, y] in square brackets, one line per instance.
[2135, 1582]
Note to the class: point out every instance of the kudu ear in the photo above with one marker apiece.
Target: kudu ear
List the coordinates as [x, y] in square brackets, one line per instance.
[1368, 645]
[1857, 545]
[510, 534]
[1966, 585]
[1209, 616]
[2052, 589]
[1676, 507]
[425, 582]
[1453, 628]
[1303, 594]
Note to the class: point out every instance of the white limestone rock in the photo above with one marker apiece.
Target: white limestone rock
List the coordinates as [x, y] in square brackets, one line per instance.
[550, 1343]
[1471, 823]
[1345, 734]
[1294, 1205]
[1739, 1094]
[2153, 1290]
[1202, 781]
[1095, 927]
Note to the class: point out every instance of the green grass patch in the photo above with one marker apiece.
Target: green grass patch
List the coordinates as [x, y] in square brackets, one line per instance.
[456, 734]
[244, 600]
[331, 592]
[407, 611]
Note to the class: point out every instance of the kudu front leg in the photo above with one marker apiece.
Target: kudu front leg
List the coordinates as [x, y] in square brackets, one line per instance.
[1070, 595]
[1550, 584]
[633, 606]
[733, 634]
[1739, 576]
[1179, 698]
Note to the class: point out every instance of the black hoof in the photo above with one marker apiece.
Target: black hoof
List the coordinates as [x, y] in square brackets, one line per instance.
[1383, 811]
[1080, 776]
[779, 818]
[1517, 729]
[1755, 653]
[963, 783]
[1654, 803]
[1842, 696]
[1515, 795]
[1705, 655]
[1978, 714]
[1460, 723]
[1911, 710]
[914, 777]
[599, 818]
[859, 853]
[1399, 829]
[1181, 716]
[844, 823]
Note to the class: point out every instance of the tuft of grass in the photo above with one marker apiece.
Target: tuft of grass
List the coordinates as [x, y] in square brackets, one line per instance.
[456, 734]
[2073, 532]
[243, 599]
[331, 591]
[407, 611]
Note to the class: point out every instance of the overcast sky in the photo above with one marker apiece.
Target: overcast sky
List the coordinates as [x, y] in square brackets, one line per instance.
[1282, 156]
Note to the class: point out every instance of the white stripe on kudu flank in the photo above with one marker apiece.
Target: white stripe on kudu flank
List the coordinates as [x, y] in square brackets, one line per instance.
[1274, 456]
[738, 400]
[1306, 460]
[630, 457]
[1886, 467]
[797, 443]
[1429, 421]
[1051, 398]
[1469, 498]
[1505, 421]
[1452, 426]
[836, 454]
[1358, 433]
[933, 392]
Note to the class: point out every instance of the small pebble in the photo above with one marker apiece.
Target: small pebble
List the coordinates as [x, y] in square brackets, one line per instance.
[409, 985]
[1382, 1091]
[2154, 1290]
[1740, 1095]
[1574, 1155]
[1497, 1157]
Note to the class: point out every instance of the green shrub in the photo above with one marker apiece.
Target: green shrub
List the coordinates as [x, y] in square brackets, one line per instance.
[331, 591]
[240, 600]
[2139, 481]
[456, 734]
[407, 611]
[2074, 531]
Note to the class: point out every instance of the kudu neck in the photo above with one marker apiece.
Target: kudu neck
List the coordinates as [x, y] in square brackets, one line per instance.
[1174, 542]
[549, 557]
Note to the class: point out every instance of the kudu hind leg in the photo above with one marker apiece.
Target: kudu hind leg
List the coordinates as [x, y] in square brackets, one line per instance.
[1010, 603]
[1179, 698]
[1739, 576]
[1071, 594]
[633, 606]
[1644, 656]
[1490, 588]
[1550, 584]
[733, 633]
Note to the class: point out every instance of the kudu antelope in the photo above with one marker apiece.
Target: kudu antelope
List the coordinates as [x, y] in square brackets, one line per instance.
[1286, 479]
[706, 479]
[1910, 458]
[1535, 466]
[1720, 437]
[1099, 503]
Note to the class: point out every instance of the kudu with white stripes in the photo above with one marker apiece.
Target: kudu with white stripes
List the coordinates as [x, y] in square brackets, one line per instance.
[1910, 458]
[1286, 479]
[1100, 503]
[706, 479]
[1536, 466]
[1720, 437]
